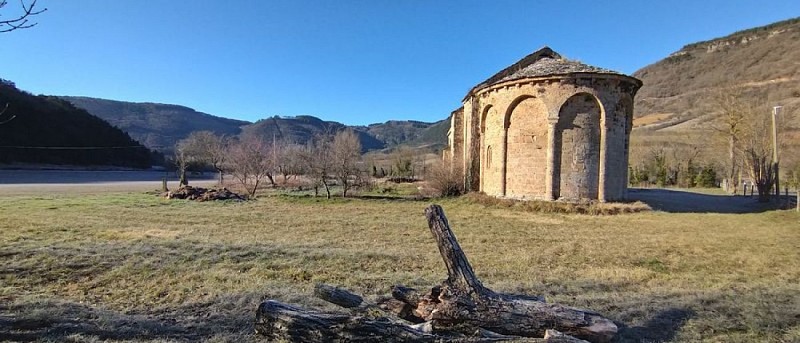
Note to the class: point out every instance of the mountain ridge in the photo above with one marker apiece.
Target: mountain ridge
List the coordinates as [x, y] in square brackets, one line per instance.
[160, 126]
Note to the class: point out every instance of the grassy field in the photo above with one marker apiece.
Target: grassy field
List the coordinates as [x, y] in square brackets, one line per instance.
[135, 267]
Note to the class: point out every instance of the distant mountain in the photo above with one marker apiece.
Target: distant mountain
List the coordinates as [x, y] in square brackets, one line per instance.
[412, 133]
[160, 126]
[301, 129]
[761, 64]
[49, 130]
[157, 126]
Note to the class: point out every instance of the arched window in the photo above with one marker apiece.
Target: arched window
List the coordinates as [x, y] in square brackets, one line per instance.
[489, 156]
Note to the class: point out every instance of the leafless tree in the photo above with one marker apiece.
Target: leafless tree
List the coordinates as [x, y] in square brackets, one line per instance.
[19, 21]
[346, 153]
[288, 160]
[251, 163]
[734, 115]
[757, 151]
[318, 163]
[684, 155]
[183, 158]
[208, 148]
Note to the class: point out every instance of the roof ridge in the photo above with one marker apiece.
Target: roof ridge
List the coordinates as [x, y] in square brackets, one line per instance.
[542, 62]
[543, 52]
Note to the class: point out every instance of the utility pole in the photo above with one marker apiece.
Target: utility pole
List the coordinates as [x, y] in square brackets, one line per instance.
[775, 111]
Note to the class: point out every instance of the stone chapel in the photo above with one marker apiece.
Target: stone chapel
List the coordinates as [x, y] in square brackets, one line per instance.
[546, 128]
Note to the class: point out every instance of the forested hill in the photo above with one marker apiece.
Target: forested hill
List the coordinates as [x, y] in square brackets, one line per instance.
[48, 130]
[158, 126]
[300, 129]
[760, 65]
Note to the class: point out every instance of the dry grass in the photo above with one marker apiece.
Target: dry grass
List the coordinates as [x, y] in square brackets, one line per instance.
[539, 206]
[651, 119]
[136, 267]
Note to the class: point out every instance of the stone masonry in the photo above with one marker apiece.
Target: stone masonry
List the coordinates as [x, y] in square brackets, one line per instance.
[546, 128]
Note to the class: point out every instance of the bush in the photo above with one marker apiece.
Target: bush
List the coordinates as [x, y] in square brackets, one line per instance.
[706, 178]
[444, 180]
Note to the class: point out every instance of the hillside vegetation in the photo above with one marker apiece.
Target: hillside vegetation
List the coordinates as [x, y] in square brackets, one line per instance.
[679, 112]
[160, 126]
[157, 126]
[761, 64]
[48, 130]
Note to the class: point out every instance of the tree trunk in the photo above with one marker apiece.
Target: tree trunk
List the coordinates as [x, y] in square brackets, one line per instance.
[183, 181]
[462, 299]
[221, 176]
[255, 188]
[327, 189]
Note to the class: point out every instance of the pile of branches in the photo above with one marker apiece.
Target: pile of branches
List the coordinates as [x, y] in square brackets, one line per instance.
[460, 309]
[203, 194]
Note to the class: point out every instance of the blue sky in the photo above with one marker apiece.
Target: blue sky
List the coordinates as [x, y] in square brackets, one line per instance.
[352, 61]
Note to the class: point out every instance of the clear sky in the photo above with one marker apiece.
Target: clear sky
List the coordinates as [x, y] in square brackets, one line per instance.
[352, 61]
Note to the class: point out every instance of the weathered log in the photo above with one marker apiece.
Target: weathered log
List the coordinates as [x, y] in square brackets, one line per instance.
[278, 321]
[338, 296]
[281, 322]
[462, 299]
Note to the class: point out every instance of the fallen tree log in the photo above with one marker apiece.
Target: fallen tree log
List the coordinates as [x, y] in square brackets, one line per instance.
[278, 321]
[462, 299]
[461, 309]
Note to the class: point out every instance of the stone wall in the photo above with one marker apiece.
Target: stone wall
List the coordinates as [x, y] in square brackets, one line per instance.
[527, 150]
[577, 149]
[503, 137]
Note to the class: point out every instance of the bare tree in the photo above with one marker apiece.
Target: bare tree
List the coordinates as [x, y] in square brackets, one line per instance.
[685, 154]
[21, 20]
[289, 161]
[346, 153]
[757, 152]
[733, 119]
[183, 158]
[208, 148]
[318, 162]
[251, 163]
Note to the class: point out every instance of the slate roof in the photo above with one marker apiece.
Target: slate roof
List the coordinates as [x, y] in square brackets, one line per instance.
[543, 62]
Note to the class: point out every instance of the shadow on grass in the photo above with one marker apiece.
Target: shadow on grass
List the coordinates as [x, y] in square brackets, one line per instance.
[682, 201]
[662, 327]
[52, 320]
